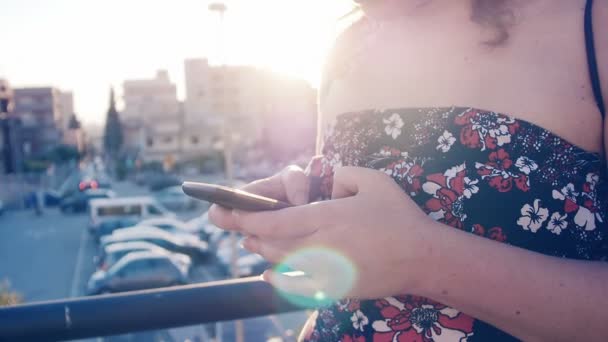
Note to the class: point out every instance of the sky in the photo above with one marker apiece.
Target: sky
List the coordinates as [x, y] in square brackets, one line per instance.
[86, 46]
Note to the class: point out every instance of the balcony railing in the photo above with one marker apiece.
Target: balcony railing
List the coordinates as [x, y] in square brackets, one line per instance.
[141, 310]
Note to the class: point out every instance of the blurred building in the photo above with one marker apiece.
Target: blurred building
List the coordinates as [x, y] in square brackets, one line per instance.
[152, 118]
[66, 109]
[260, 108]
[41, 115]
[10, 132]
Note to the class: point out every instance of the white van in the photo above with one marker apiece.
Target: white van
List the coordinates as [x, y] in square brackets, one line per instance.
[124, 209]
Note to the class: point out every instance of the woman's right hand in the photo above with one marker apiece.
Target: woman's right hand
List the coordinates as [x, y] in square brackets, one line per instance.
[291, 185]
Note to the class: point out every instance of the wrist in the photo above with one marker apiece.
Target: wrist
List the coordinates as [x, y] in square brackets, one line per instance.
[423, 257]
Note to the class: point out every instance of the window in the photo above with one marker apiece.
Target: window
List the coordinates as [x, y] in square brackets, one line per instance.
[153, 210]
[150, 142]
[200, 94]
[121, 210]
[194, 140]
[135, 267]
[25, 101]
[168, 140]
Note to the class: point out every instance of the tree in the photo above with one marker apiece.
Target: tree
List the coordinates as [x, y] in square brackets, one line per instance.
[74, 123]
[7, 296]
[112, 139]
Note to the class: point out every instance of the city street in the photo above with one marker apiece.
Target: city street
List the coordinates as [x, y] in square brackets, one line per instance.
[51, 257]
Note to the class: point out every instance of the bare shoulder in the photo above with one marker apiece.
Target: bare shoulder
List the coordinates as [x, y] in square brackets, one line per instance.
[600, 22]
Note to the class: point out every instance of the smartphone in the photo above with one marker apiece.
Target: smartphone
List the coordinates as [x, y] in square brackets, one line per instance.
[231, 198]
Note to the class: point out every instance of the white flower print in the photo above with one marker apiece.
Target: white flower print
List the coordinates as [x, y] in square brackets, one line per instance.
[526, 165]
[533, 216]
[584, 218]
[470, 187]
[592, 179]
[494, 126]
[446, 140]
[393, 125]
[359, 320]
[335, 161]
[557, 223]
[566, 192]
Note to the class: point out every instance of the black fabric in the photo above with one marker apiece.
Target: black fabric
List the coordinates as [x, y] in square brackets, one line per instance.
[591, 58]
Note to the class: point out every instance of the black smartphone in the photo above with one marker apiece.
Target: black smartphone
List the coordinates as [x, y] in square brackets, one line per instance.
[231, 198]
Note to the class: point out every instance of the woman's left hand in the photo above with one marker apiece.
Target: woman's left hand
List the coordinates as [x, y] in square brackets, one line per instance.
[370, 237]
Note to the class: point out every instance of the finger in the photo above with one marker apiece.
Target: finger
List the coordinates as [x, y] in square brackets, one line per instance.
[290, 184]
[296, 184]
[222, 217]
[349, 181]
[289, 223]
[272, 252]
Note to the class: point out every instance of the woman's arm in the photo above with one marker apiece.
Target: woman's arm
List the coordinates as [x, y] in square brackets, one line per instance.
[530, 295]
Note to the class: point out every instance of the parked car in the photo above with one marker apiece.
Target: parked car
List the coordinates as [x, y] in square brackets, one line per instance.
[124, 208]
[141, 270]
[247, 263]
[251, 265]
[52, 198]
[171, 224]
[159, 181]
[1, 208]
[175, 199]
[107, 227]
[206, 230]
[112, 253]
[94, 182]
[139, 228]
[186, 244]
[79, 201]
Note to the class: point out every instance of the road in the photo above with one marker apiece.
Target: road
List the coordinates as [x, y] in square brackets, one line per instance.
[51, 257]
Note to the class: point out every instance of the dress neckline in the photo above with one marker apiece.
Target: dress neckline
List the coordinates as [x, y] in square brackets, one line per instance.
[451, 109]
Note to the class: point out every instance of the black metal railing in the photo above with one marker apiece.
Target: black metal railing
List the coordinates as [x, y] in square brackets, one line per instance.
[141, 310]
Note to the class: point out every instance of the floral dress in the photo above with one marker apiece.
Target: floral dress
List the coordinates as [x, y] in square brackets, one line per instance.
[478, 171]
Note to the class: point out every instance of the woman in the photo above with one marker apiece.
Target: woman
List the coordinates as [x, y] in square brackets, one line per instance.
[463, 155]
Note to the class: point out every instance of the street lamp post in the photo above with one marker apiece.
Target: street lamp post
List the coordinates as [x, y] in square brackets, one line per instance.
[221, 8]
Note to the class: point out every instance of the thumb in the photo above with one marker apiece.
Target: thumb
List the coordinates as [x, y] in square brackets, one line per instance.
[349, 181]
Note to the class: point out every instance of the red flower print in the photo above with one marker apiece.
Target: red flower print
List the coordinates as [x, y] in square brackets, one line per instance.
[500, 160]
[448, 190]
[469, 137]
[494, 233]
[497, 234]
[487, 130]
[478, 230]
[418, 319]
[522, 183]
[496, 172]
[349, 305]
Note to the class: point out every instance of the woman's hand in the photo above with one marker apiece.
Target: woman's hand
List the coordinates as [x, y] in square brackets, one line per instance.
[290, 185]
[370, 237]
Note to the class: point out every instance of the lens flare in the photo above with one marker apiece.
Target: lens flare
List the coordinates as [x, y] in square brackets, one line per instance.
[328, 276]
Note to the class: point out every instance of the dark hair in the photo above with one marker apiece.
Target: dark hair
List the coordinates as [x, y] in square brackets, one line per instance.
[494, 14]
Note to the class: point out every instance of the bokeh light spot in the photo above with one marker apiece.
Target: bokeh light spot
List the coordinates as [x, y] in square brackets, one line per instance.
[328, 276]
